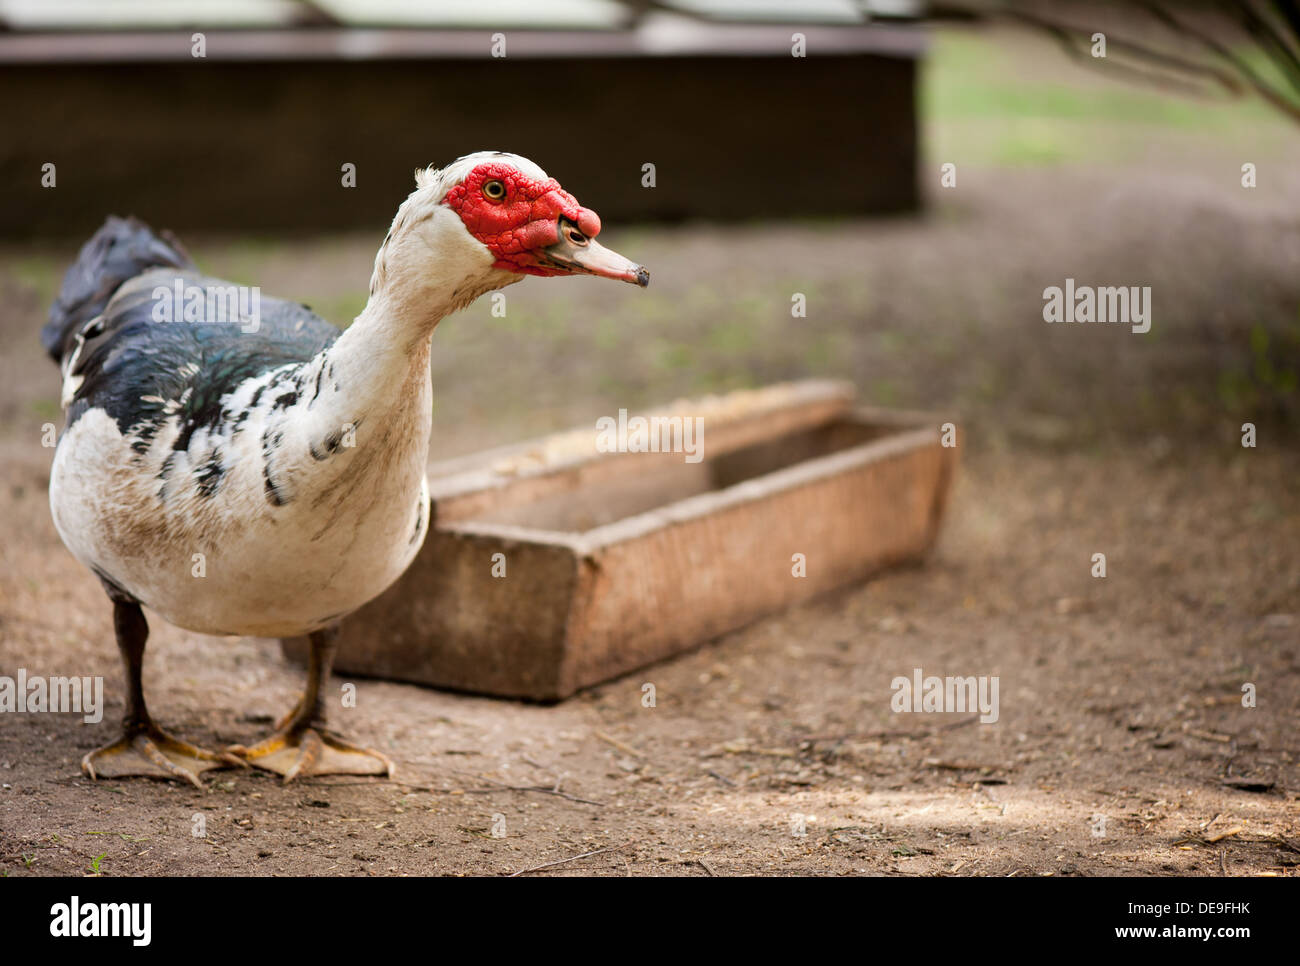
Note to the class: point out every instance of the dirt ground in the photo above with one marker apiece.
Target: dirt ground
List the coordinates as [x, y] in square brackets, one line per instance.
[1122, 746]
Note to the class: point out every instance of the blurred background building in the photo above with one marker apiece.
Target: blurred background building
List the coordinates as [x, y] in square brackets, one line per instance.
[287, 91]
[772, 173]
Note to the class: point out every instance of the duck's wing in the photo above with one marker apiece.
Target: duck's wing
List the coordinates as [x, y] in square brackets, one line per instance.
[131, 341]
[120, 250]
[143, 369]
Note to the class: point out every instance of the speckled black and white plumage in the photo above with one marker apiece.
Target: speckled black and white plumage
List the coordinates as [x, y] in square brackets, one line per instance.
[239, 466]
[265, 475]
[192, 473]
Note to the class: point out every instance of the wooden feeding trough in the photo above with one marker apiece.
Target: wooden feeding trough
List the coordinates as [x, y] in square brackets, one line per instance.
[551, 565]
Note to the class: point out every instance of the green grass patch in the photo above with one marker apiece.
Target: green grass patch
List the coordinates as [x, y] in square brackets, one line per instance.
[984, 100]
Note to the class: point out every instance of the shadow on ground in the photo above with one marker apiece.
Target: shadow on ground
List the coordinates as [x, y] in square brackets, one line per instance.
[1122, 745]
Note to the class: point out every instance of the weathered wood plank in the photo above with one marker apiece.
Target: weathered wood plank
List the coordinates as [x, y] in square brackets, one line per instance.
[614, 561]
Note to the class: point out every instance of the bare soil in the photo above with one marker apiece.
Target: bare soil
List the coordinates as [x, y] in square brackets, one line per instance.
[1122, 747]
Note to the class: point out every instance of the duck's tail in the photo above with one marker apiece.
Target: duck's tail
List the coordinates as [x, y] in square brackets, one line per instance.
[120, 250]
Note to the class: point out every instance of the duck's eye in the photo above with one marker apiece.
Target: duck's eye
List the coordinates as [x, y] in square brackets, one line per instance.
[494, 190]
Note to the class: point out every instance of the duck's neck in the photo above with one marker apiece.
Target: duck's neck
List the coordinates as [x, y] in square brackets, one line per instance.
[378, 370]
[379, 358]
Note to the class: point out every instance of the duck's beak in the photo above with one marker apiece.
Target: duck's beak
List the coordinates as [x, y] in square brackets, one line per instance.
[575, 253]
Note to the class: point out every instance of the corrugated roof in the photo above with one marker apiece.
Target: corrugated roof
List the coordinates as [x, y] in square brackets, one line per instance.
[146, 14]
[127, 31]
[69, 15]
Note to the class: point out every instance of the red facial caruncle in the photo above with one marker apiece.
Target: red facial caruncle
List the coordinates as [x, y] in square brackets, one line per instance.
[535, 227]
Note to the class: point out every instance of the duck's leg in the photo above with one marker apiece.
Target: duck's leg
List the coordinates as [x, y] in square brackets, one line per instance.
[144, 748]
[301, 743]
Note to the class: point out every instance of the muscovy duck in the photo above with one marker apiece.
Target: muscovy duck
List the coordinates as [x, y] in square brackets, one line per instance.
[258, 472]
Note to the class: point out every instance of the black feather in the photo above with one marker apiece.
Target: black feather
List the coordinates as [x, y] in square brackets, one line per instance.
[129, 357]
[120, 250]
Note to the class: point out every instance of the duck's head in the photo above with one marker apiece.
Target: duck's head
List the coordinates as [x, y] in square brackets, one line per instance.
[489, 219]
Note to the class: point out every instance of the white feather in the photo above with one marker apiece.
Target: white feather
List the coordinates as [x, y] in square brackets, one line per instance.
[349, 523]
